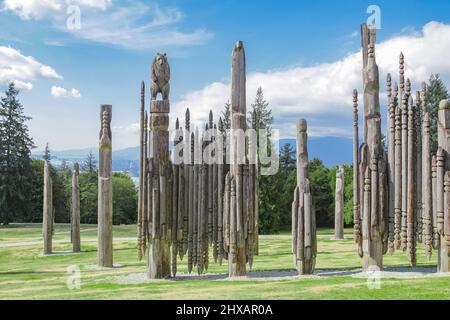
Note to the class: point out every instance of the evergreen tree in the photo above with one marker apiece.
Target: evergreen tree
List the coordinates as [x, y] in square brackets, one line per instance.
[90, 164]
[226, 116]
[436, 91]
[287, 160]
[322, 193]
[15, 149]
[264, 118]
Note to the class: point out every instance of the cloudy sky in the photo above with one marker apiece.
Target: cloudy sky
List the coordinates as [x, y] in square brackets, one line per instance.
[305, 55]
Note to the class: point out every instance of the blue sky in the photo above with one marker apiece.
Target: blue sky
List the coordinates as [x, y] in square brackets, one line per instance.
[303, 53]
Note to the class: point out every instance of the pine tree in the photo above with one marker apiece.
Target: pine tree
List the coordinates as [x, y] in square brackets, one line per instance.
[15, 149]
[90, 164]
[226, 115]
[264, 118]
[436, 91]
[287, 161]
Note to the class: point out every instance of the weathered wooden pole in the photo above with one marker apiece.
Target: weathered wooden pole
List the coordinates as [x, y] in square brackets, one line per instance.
[237, 218]
[105, 210]
[160, 171]
[397, 176]
[304, 243]
[142, 179]
[236, 257]
[391, 164]
[372, 161]
[220, 191]
[434, 201]
[404, 117]
[418, 137]
[411, 232]
[191, 205]
[75, 210]
[339, 204]
[174, 212]
[427, 225]
[443, 186]
[47, 216]
[356, 177]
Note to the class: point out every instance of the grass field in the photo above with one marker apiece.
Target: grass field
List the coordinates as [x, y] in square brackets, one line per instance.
[26, 274]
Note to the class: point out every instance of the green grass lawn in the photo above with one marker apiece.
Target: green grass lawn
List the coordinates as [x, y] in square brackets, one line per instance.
[26, 274]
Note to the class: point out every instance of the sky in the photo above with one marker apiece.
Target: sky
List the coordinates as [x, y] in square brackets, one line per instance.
[304, 54]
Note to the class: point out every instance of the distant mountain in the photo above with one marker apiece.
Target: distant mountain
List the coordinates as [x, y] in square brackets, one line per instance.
[331, 150]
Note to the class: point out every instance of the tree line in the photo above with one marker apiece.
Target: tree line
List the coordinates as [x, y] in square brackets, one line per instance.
[21, 177]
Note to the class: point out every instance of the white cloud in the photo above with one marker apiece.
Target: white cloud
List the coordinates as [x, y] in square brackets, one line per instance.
[323, 93]
[14, 66]
[126, 135]
[38, 9]
[60, 92]
[122, 26]
[136, 25]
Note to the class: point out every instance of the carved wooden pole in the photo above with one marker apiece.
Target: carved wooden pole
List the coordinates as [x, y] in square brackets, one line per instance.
[443, 187]
[419, 205]
[220, 191]
[391, 164]
[339, 204]
[411, 234]
[397, 178]
[161, 171]
[105, 210]
[142, 180]
[356, 178]
[175, 186]
[304, 245]
[236, 209]
[404, 109]
[434, 201]
[427, 226]
[372, 163]
[47, 217]
[75, 210]
[191, 205]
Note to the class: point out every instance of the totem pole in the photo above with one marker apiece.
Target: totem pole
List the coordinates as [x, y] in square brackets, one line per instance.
[391, 163]
[48, 214]
[75, 210]
[356, 178]
[142, 195]
[339, 204]
[105, 210]
[304, 242]
[239, 221]
[443, 187]
[159, 172]
[427, 224]
[372, 162]
[411, 194]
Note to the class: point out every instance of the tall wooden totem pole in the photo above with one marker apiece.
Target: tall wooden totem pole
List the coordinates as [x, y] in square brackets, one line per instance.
[443, 188]
[48, 214]
[339, 204]
[159, 172]
[304, 242]
[105, 209]
[372, 181]
[75, 210]
[240, 183]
